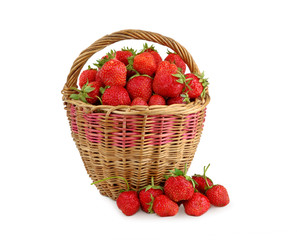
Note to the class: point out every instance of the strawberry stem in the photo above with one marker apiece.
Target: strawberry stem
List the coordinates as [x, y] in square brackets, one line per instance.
[204, 176]
[127, 189]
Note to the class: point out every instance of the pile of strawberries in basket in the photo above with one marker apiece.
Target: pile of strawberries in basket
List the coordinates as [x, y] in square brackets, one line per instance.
[128, 77]
[196, 193]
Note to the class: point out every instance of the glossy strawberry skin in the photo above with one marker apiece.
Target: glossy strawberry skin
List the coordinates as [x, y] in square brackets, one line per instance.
[164, 207]
[156, 100]
[218, 196]
[201, 183]
[88, 75]
[164, 83]
[177, 60]
[113, 73]
[197, 205]
[145, 197]
[128, 202]
[140, 86]
[123, 56]
[116, 95]
[145, 63]
[176, 100]
[138, 101]
[178, 188]
[156, 55]
[196, 86]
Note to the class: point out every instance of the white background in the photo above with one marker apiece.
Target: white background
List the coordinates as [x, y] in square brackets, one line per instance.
[248, 51]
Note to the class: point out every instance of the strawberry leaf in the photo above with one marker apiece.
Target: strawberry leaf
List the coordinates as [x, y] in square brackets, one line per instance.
[74, 96]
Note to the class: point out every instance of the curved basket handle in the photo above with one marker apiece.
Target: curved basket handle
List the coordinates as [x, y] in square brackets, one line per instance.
[125, 35]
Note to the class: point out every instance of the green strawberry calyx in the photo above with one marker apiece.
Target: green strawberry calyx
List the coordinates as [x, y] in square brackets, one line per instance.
[152, 186]
[130, 64]
[169, 52]
[204, 82]
[100, 62]
[150, 209]
[122, 178]
[176, 172]
[138, 75]
[82, 93]
[185, 81]
[129, 49]
[146, 47]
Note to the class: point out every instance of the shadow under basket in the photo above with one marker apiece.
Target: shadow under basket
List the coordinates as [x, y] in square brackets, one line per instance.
[134, 142]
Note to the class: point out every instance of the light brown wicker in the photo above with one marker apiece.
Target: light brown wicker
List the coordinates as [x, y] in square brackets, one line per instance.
[134, 142]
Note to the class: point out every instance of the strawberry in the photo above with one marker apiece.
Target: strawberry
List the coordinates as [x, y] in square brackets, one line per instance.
[153, 51]
[197, 205]
[98, 78]
[138, 101]
[115, 95]
[200, 180]
[197, 84]
[144, 63]
[113, 73]
[156, 100]
[140, 86]
[88, 93]
[177, 60]
[127, 201]
[164, 207]
[124, 54]
[179, 186]
[217, 195]
[167, 81]
[88, 75]
[176, 100]
[147, 194]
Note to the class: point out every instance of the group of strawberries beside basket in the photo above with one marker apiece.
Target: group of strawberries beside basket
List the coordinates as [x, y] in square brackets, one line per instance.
[127, 77]
[196, 193]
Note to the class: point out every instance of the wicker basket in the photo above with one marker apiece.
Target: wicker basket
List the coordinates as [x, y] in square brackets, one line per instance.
[134, 142]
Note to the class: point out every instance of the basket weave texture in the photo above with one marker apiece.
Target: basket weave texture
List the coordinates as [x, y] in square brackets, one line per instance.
[134, 142]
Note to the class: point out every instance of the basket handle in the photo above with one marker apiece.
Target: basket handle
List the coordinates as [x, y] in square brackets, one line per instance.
[125, 35]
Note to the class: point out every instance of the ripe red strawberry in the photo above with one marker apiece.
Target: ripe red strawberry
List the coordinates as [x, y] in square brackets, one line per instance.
[197, 205]
[98, 79]
[153, 51]
[157, 100]
[164, 207]
[176, 100]
[140, 86]
[123, 56]
[177, 60]
[138, 101]
[89, 92]
[166, 83]
[218, 195]
[145, 63]
[88, 75]
[197, 84]
[179, 186]
[128, 202]
[115, 95]
[200, 180]
[147, 195]
[113, 73]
